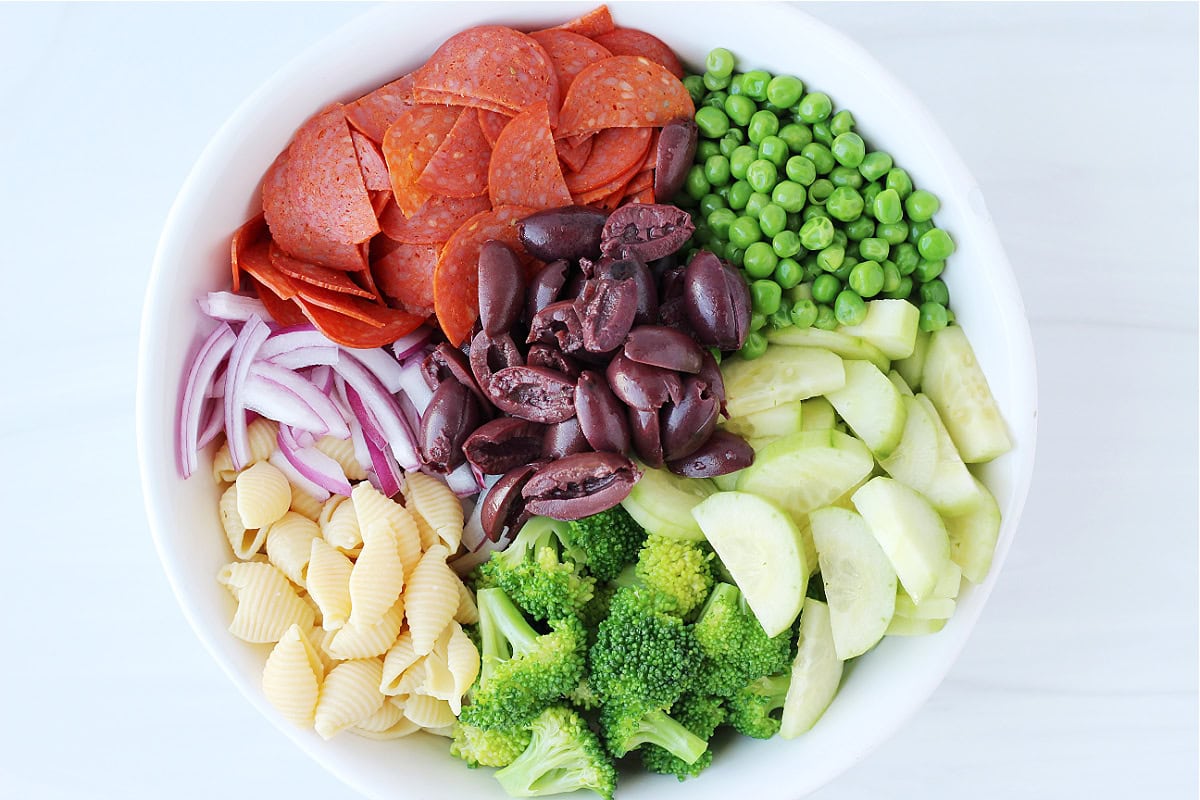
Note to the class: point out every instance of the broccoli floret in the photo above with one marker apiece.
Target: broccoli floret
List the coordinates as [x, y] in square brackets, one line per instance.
[699, 713]
[628, 726]
[592, 614]
[494, 748]
[608, 540]
[563, 756]
[540, 571]
[736, 648]
[522, 672]
[583, 696]
[678, 568]
[752, 709]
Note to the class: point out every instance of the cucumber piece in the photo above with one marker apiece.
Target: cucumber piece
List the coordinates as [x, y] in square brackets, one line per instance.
[871, 406]
[910, 532]
[954, 381]
[778, 421]
[890, 325]
[860, 584]
[807, 470]
[951, 490]
[908, 626]
[973, 536]
[915, 459]
[950, 582]
[817, 414]
[816, 672]
[901, 385]
[843, 344]
[760, 547]
[910, 368]
[779, 376]
[727, 482]
[662, 502]
[932, 608]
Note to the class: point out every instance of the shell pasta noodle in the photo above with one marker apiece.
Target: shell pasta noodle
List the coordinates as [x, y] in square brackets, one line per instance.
[328, 582]
[467, 612]
[367, 641]
[396, 662]
[370, 505]
[462, 658]
[262, 435]
[342, 451]
[305, 504]
[349, 695]
[339, 524]
[432, 598]
[267, 603]
[244, 542]
[429, 712]
[378, 575]
[289, 544]
[437, 505]
[292, 677]
[263, 495]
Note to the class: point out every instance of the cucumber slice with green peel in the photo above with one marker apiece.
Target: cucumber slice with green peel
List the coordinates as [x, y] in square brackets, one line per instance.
[915, 459]
[908, 626]
[662, 503]
[778, 421]
[780, 375]
[860, 584]
[817, 414]
[807, 470]
[890, 325]
[898, 381]
[950, 582]
[816, 672]
[727, 482]
[954, 381]
[910, 532]
[932, 608]
[843, 344]
[951, 490]
[910, 368]
[871, 405]
[973, 536]
[760, 546]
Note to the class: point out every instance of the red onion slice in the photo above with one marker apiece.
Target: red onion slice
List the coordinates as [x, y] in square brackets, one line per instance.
[312, 463]
[414, 387]
[381, 364]
[407, 345]
[383, 407]
[463, 565]
[241, 358]
[267, 376]
[204, 366]
[321, 377]
[462, 481]
[370, 427]
[212, 426]
[385, 470]
[280, 462]
[473, 536]
[230, 307]
[357, 437]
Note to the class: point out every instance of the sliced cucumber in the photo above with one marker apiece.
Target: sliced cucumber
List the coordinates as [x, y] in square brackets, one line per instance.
[932, 608]
[779, 376]
[901, 385]
[727, 482]
[843, 344]
[954, 381]
[778, 421]
[871, 405]
[973, 536]
[662, 503]
[951, 490]
[910, 532]
[817, 415]
[760, 547]
[807, 470]
[908, 626]
[890, 325]
[950, 582]
[915, 459]
[910, 368]
[860, 584]
[816, 672]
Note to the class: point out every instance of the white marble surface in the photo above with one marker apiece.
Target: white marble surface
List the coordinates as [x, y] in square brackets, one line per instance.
[1080, 122]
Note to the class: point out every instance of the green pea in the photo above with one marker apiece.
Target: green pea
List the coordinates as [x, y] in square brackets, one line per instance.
[801, 170]
[873, 249]
[789, 195]
[819, 192]
[831, 258]
[703, 234]
[822, 134]
[875, 165]
[825, 288]
[739, 195]
[785, 91]
[754, 84]
[892, 232]
[728, 144]
[814, 107]
[720, 220]
[773, 149]
[845, 204]
[842, 273]
[949, 316]
[757, 202]
[933, 317]
[849, 149]
[788, 272]
[866, 279]
[760, 260]
[782, 318]
[849, 308]
[719, 61]
[696, 185]
[754, 346]
[917, 229]
[921, 205]
[744, 231]
[812, 270]
[870, 192]
[902, 291]
[795, 135]
[735, 85]
[935, 245]
[826, 320]
[810, 211]
[891, 276]
[740, 161]
[706, 150]
[906, 257]
[765, 296]
[817, 233]
[712, 122]
[804, 313]
[772, 219]
[845, 176]
[840, 238]
[734, 255]
[887, 207]
[716, 100]
[927, 271]
[695, 87]
[841, 122]
[861, 228]
[714, 82]
[722, 192]
[762, 175]
[795, 220]
[820, 155]
[762, 124]
[740, 108]
[899, 180]
[716, 170]
[935, 291]
[684, 200]
[737, 134]
[710, 203]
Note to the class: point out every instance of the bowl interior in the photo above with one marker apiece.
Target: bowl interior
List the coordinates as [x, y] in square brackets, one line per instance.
[880, 690]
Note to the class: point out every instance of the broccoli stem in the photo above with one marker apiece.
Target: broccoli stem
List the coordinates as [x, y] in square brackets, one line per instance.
[503, 629]
[657, 727]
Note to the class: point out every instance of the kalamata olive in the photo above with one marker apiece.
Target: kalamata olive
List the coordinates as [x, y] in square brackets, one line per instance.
[497, 446]
[501, 287]
[687, 424]
[646, 230]
[448, 363]
[545, 287]
[606, 310]
[490, 355]
[660, 265]
[660, 346]
[633, 269]
[564, 438]
[549, 356]
[671, 305]
[717, 302]
[676, 149]
[558, 324]
[642, 386]
[449, 419]
[533, 393]
[601, 416]
[646, 433]
[710, 373]
[579, 485]
[503, 505]
[572, 232]
[722, 454]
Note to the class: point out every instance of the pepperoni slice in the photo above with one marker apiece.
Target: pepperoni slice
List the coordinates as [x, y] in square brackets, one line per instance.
[615, 186]
[651, 161]
[302, 271]
[433, 97]
[615, 151]
[285, 312]
[594, 23]
[459, 168]
[524, 166]
[569, 53]
[434, 222]
[492, 123]
[645, 196]
[642, 180]
[623, 92]
[456, 277]
[634, 42]
[250, 232]
[408, 146]
[370, 161]
[405, 276]
[575, 156]
[374, 112]
[256, 261]
[351, 332]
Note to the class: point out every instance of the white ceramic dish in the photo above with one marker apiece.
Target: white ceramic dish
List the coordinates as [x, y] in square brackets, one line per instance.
[884, 688]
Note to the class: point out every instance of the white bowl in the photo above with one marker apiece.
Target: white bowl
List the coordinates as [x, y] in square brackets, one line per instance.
[883, 688]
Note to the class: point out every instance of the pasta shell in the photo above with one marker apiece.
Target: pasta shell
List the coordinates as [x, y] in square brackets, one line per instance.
[431, 598]
[342, 451]
[378, 576]
[437, 505]
[267, 603]
[263, 495]
[386, 717]
[370, 505]
[292, 677]
[403, 727]
[439, 681]
[328, 581]
[429, 712]
[339, 524]
[289, 544]
[245, 543]
[399, 657]
[462, 658]
[262, 434]
[349, 695]
[468, 611]
[354, 641]
[305, 504]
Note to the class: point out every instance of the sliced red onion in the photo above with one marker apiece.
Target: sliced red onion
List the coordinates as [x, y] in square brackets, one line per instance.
[462, 481]
[407, 345]
[413, 385]
[384, 469]
[321, 376]
[383, 407]
[230, 307]
[303, 438]
[381, 364]
[217, 388]
[212, 426]
[470, 560]
[204, 366]
[357, 437]
[296, 478]
[370, 427]
[312, 463]
[287, 397]
[473, 536]
[241, 358]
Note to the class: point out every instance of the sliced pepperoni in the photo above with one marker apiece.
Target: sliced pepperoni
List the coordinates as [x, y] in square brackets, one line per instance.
[615, 186]
[569, 53]
[524, 168]
[642, 180]
[408, 146]
[433, 97]
[405, 276]
[286, 313]
[652, 151]
[351, 332]
[614, 152]
[302, 271]
[634, 42]
[256, 261]
[380, 201]
[356, 307]
[645, 196]
[459, 168]
[492, 122]
[374, 112]
[434, 222]
[456, 277]
[370, 161]
[243, 237]
[623, 92]
[575, 156]
[594, 23]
